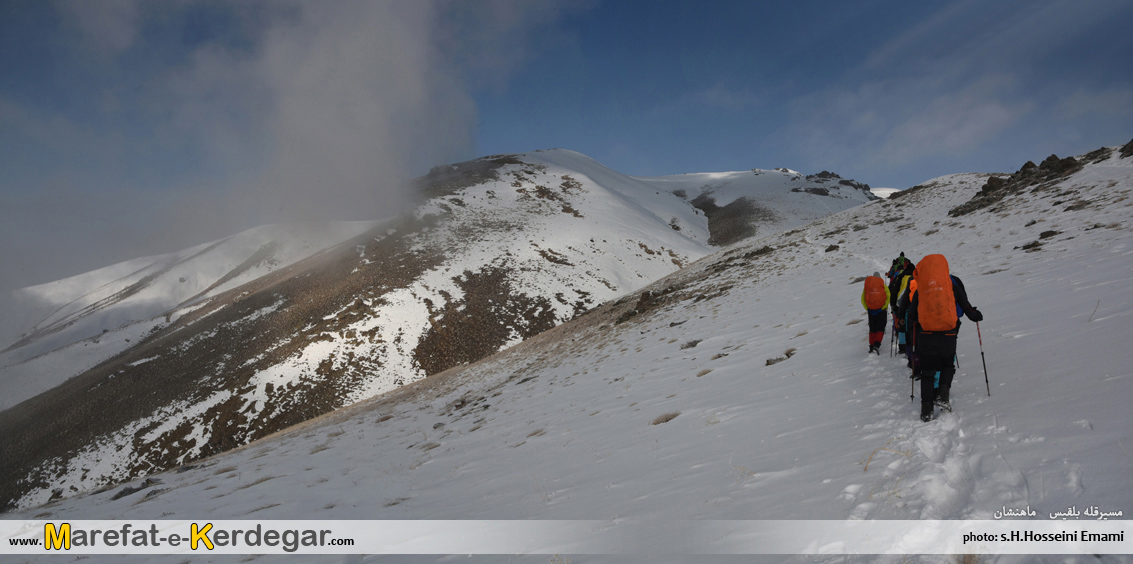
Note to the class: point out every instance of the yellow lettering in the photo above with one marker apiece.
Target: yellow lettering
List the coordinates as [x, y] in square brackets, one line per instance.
[57, 539]
[199, 535]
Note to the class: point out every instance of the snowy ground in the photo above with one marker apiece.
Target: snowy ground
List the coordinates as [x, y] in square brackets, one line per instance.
[559, 427]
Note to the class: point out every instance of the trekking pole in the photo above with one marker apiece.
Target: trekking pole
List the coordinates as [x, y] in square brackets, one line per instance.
[983, 358]
[893, 338]
[912, 348]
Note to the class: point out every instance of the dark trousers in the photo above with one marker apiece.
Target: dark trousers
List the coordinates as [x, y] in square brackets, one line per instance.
[877, 320]
[935, 350]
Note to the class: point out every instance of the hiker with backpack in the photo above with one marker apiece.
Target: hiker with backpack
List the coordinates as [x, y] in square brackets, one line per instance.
[902, 308]
[897, 287]
[875, 300]
[896, 268]
[935, 308]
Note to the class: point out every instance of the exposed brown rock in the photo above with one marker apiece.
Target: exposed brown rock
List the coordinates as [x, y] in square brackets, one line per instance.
[478, 325]
[997, 188]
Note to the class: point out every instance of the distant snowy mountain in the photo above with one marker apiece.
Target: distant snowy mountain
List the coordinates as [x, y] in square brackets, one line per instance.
[148, 364]
[738, 387]
[85, 319]
[83, 306]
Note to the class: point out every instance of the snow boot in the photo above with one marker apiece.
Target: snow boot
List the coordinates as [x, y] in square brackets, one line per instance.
[942, 399]
[926, 411]
[901, 349]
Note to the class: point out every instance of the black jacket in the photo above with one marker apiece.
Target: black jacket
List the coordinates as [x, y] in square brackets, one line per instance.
[895, 287]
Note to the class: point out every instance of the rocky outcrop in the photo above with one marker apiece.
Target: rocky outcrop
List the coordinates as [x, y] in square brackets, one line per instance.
[997, 188]
[827, 176]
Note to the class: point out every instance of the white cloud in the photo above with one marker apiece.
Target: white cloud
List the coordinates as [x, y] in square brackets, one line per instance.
[973, 37]
[493, 38]
[952, 123]
[953, 85]
[289, 111]
[890, 124]
[1111, 102]
[339, 103]
[335, 105]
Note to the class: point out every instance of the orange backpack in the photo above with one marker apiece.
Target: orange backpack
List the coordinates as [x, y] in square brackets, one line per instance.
[937, 305]
[875, 293]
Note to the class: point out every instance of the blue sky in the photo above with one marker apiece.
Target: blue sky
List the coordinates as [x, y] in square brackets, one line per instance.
[132, 127]
[891, 93]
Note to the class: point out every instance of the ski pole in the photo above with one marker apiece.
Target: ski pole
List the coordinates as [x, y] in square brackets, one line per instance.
[894, 347]
[983, 358]
[912, 348]
[893, 338]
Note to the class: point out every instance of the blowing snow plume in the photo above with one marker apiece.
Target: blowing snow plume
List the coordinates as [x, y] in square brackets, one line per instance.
[162, 126]
[352, 98]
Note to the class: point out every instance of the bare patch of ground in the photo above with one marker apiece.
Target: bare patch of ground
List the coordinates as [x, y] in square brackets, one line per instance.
[732, 222]
[489, 316]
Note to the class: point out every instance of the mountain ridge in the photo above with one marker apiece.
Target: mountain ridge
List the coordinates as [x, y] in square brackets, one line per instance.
[741, 386]
[531, 241]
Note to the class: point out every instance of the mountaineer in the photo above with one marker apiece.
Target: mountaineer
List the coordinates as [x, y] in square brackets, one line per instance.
[897, 287]
[897, 267]
[935, 309]
[875, 300]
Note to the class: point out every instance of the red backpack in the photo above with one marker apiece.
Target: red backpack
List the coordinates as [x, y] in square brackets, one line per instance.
[874, 293]
[937, 305]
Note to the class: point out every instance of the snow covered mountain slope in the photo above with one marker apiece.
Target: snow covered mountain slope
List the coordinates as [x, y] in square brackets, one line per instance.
[740, 388]
[75, 323]
[504, 248]
[83, 306]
